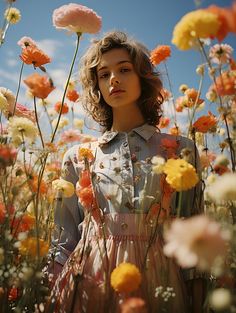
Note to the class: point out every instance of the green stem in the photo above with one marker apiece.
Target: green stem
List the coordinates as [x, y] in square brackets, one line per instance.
[67, 83]
[18, 87]
[172, 95]
[37, 122]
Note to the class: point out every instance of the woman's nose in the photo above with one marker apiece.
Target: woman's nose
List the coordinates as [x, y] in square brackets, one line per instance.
[114, 80]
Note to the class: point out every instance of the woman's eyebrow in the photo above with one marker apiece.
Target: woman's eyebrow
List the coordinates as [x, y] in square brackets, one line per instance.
[120, 62]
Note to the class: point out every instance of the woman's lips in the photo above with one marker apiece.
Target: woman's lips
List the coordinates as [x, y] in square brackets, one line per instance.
[116, 92]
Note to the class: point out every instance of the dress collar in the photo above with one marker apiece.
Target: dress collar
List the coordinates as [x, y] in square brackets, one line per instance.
[146, 131]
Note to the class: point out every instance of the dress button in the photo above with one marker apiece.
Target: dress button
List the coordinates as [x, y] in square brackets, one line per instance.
[124, 226]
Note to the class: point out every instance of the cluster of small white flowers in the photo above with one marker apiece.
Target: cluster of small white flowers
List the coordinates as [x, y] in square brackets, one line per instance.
[165, 293]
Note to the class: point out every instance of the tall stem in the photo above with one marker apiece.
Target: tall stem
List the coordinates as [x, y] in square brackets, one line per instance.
[37, 122]
[67, 83]
[172, 95]
[18, 87]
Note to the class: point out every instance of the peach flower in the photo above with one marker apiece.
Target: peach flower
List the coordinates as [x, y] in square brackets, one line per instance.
[204, 123]
[23, 111]
[160, 54]
[26, 42]
[40, 86]
[70, 135]
[163, 122]
[72, 95]
[64, 109]
[76, 18]
[196, 241]
[33, 55]
[225, 84]
[133, 305]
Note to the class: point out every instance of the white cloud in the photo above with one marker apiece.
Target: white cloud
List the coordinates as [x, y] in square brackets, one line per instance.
[12, 62]
[7, 78]
[59, 77]
[49, 46]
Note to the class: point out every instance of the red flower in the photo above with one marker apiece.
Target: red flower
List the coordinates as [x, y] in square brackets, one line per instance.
[7, 155]
[84, 179]
[72, 95]
[40, 86]
[204, 123]
[33, 55]
[58, 105]
[85, 196]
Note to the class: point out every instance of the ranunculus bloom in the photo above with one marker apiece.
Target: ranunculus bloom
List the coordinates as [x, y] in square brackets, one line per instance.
[194, 25]
[221, 53]
[70, 135]
[85, 195]
[72, 95]
[160, 54]
[22, 223]
[23, 111]
[76, 18]
[35, 56]
[84, 179]
[196, 241]
[7, 155]
[40, 86]
[192, 97]
[224, 188]
[26, 42]
[125, 278]
[163, 122]
[64, 110]
[180, 174]
[204, 123]
[29, 247]
[225, 84]
[21, 128]
[9, 97]
[133, 305]
[227, 19]
[34, 184]
[12, 15]
[85, 153]
[175, 131]
[65, 188]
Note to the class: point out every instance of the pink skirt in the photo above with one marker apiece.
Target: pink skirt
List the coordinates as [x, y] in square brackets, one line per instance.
[84, 284]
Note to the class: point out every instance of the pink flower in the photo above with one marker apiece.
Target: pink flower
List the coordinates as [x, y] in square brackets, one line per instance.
[196, 241]
[221, 53]
[23, 111]
[76, 18]
[25, 42]
[70, 135]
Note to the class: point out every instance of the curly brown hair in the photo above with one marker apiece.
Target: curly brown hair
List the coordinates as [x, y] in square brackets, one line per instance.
[150, 100]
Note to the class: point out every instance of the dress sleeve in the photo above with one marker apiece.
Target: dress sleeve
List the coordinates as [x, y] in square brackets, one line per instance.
[68, 214]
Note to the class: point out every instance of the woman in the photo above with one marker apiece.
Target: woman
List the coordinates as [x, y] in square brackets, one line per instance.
[124, 220]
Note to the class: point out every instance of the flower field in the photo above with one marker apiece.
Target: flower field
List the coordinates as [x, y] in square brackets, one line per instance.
[31, 158]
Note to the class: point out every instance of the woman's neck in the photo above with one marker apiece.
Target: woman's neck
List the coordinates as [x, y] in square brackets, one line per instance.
[125, 119]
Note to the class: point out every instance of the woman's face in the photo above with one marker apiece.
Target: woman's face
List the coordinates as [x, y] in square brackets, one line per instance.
[118, 81]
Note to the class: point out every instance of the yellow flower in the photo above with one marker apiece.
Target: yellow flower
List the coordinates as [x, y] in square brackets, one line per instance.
[78, 123]
[12, 15]
[20, 128]
[194, 25]
[125, 278]
[63, 186]
[181, 175]
[28, 247]
[3, 102]
[85, 153]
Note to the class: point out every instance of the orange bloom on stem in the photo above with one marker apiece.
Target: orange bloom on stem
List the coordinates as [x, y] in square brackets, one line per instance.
[58, 105]
[227, 19]
[85, 153]
[72, 95]
[175, 131]
[85, 196]
[84, 179]
[163, 122]
[225, 84]
[159, 54]
[204, 123]
[192, 96]
[40, 86]
[34, 56]
[23, 223]
[34, 185]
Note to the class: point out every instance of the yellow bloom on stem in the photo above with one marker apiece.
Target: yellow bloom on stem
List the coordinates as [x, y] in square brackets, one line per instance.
[194, 25]
[85, 153]
[28, 247]
[125, 278]
[12, 15]
[63, 186]
[180, 174]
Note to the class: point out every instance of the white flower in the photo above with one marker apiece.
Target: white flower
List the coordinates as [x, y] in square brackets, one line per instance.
[224, 188]
[12, 15]
[63, 122]
[78, 123]
[21, 128]
[3, 102]
[158, 164]
[9, 97]
[220, 299]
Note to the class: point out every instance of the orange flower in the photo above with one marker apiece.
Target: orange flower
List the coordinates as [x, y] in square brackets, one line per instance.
[85, 196]
[175, 131]
[232, 63]
[163, 122]
[225, 84]
[159, 54]
[72, 95]
[204, 123]
[40, 86]
[227, 19]
[85, 153]
[34, 56]
[29, 247]
[65, 107]
[165, 94]
[23, 223]
[192, 97]
[84, 179]
[34, 185]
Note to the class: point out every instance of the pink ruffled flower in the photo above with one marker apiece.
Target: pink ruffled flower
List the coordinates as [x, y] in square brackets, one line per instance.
[71, 135]
[77, 18]
[221, 53]
[196, 241]
[23, 111]
[25, 42]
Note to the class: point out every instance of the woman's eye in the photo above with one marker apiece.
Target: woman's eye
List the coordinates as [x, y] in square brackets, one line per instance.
[103, 75]
[125, 69]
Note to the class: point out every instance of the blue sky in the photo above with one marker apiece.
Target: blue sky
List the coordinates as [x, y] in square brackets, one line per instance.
[150, 21]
